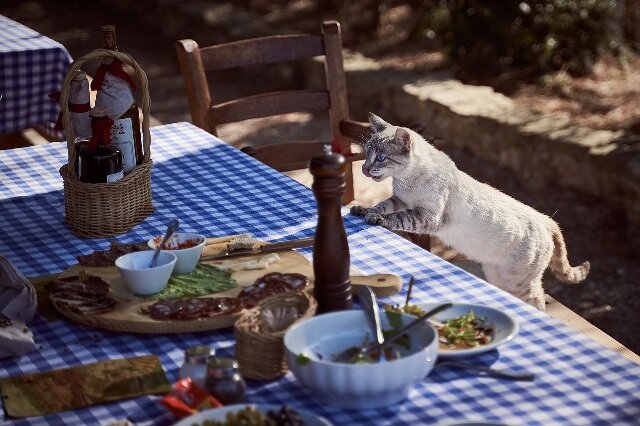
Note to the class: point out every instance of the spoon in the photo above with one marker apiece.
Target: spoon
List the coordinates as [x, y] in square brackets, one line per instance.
[171, 228]
[505, 374]
[348, 354]
[368, 300]
[417, 321]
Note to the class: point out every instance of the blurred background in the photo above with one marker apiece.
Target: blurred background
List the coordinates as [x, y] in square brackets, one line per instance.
[575, 59]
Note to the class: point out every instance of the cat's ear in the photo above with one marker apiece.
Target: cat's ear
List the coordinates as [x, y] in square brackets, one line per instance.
[403, 138]
[377, 123]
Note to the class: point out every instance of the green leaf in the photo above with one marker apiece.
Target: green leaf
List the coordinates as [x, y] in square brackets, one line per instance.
[302, 359]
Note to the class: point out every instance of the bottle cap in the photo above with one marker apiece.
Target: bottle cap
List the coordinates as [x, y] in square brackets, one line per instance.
[198, 354]
[109, 37]
[221, 368]
[98, 112]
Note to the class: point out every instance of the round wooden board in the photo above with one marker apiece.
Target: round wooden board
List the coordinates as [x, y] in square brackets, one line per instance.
[127, 316]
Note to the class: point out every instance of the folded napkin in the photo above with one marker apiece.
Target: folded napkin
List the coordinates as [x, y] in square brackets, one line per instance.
[50, 392]
[18, 306]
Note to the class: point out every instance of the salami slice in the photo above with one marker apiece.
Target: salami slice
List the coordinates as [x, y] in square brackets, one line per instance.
[163, 309]
[221, 306]
[296, 281]
[190, 308]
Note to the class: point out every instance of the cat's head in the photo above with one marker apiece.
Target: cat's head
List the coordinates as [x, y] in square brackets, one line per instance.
[388, 150]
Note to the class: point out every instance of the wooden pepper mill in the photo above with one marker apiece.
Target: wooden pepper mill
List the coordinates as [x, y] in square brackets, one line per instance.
[332, 287]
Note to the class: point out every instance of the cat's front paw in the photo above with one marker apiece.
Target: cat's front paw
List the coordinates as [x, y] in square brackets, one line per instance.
[359, 211]
[375, 219]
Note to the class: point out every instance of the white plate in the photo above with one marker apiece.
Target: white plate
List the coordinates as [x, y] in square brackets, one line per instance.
[505, 327]
[219, 414]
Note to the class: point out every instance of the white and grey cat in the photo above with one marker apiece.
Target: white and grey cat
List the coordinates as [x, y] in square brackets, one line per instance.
[513, 242]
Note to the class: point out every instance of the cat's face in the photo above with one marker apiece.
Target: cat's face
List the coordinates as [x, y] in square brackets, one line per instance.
[387, 150]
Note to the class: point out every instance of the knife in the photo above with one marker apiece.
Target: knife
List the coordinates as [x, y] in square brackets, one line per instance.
[266, 248]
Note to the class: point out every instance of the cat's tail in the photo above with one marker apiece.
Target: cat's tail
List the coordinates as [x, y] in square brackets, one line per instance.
[559, 263]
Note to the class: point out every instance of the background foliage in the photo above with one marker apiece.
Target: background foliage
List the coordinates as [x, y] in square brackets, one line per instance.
[540, 36]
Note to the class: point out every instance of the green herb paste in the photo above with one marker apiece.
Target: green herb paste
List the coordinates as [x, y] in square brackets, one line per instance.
[205, 279]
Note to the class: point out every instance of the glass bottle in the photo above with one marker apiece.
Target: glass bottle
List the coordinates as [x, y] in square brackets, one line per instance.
[224, 381]
[99, 161]
[79, 105]
[115, 93]
[195, 364]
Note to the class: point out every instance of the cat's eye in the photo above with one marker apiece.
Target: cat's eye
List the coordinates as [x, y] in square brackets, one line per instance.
[380, 157]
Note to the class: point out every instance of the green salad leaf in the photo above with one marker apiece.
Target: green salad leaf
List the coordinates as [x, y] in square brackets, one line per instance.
[302, 359]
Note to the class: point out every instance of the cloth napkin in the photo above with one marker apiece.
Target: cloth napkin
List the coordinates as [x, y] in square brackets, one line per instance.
[18, 305]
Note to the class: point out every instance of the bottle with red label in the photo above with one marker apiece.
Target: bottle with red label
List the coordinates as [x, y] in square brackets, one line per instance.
[115, 88]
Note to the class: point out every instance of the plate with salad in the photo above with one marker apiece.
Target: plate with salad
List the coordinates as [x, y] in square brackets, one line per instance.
[466, 329]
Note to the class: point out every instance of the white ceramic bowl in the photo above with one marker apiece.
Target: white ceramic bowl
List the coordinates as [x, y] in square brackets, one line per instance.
[139, 278]
[356, 386]
[188, 257]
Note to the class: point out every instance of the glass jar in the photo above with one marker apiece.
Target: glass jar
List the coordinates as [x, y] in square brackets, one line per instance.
[195, 364]
[224, 381]
[99, 161]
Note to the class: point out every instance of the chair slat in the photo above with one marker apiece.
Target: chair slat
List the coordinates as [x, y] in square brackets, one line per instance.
[289, 155]
[268, 104]
[263, 50]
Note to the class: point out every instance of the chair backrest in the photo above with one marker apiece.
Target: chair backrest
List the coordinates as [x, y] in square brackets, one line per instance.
[195, 61]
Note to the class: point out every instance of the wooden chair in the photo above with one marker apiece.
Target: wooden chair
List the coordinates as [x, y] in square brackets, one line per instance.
[194, 61]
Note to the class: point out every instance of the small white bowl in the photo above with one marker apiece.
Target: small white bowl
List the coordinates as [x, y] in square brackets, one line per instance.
[356, 386]
[139, 278]
[187, 257]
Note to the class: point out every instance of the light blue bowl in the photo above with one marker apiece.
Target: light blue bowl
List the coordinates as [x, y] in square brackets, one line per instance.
[356, 386]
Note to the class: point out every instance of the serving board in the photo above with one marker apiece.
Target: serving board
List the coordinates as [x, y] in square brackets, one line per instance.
[127, 316]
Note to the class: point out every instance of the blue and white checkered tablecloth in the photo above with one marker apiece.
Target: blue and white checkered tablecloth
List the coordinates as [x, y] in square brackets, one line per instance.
[217, 190]
[31, 67]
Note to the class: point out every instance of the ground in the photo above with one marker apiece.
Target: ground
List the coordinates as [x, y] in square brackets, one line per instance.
[610, 298]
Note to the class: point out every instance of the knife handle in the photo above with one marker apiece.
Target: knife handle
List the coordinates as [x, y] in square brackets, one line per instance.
[286, 245]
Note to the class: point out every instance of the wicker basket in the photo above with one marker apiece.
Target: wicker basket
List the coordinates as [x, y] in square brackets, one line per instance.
[260, 354]
[106, 209]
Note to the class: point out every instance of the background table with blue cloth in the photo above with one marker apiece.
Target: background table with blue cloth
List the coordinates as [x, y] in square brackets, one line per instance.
[31, 67]
[216, 190]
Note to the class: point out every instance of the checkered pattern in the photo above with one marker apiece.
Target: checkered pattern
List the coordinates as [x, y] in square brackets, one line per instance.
[31, 67]
[216, 190]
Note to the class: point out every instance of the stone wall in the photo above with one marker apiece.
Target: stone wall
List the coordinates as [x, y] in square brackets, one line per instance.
[541, 149]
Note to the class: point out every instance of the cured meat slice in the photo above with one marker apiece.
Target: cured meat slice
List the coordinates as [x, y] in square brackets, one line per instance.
[192, 308]
[94, 307]
[296, 281]
[162, 309]
[104, 258]
[91, 286]
[269, 285]
[221, 306]
[84, 294]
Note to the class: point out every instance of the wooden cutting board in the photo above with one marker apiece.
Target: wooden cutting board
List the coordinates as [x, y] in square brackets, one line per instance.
[127, 316]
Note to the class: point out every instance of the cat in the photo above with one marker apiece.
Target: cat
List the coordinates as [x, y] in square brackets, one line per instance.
[514, 243]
